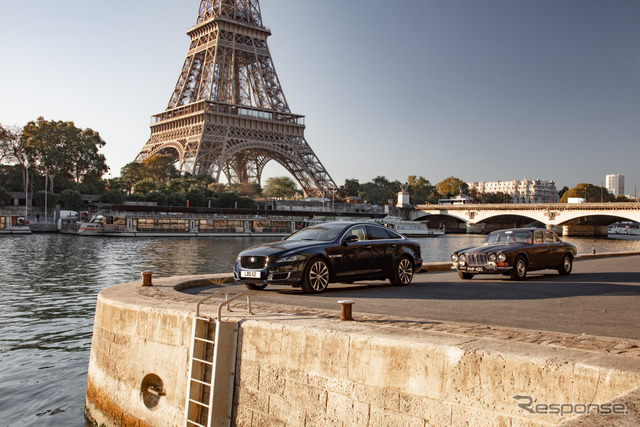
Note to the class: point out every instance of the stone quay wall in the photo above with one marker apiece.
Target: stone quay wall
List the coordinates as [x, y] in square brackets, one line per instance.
[298, 367]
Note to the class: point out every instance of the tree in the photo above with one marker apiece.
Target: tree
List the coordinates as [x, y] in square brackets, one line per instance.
[130, 174]
[281, 187]
[351, 187]
[419, 189]
[160, 168]
[450, 187]
[60, 148]
[589, 192]
[87, 162]
[71, 199]
[145, 186]
[12, 151]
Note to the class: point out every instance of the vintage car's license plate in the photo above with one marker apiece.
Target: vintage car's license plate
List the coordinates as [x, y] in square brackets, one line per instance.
[475, 269]
[250, 274]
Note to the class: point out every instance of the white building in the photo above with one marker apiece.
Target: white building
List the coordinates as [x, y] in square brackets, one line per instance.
[524, 191]
[615, 184]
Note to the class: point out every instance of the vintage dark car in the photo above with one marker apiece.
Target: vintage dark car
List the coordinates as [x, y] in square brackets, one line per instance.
[514, 252]
[330, 252]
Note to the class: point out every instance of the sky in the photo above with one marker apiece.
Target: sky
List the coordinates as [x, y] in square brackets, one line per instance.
[491, 90]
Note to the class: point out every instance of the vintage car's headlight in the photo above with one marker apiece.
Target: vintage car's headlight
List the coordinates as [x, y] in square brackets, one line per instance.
[492, 257]
[291, 258]
[454, 257]
[502, 257]
[462, 258]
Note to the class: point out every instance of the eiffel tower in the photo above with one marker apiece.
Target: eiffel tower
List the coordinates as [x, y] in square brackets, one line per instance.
[228, 113]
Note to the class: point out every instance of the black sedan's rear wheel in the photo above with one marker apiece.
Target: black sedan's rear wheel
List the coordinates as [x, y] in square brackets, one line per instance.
[519, 270]
[566, 266]
[402, 272]
[316, 276]
[255, 286]
[465, 276]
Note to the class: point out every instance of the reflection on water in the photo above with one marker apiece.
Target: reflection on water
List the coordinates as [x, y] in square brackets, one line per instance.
[48, 289]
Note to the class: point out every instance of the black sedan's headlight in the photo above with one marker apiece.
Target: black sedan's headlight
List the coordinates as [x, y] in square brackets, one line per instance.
[291, 258]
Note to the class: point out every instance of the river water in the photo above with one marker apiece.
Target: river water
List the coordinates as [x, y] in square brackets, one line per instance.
[48, 289]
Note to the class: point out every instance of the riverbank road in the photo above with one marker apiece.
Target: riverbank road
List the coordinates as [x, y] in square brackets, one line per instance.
[600, 298]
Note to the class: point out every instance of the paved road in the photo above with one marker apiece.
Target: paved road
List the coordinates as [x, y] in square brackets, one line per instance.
[601, 297]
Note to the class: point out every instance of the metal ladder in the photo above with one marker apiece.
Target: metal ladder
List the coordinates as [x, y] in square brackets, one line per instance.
[212, 367]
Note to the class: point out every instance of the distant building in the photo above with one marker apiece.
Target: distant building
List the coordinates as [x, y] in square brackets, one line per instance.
[615, 184]
[524, 191]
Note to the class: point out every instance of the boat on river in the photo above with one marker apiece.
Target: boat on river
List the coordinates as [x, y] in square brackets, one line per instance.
[12, 223]
[627, 228]
[183, 224]
[411, 228]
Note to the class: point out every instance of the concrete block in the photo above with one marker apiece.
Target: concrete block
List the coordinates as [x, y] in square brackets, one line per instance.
[305, 396]
[387, 417]
[435, 412]
[272, 380]
[283, 410]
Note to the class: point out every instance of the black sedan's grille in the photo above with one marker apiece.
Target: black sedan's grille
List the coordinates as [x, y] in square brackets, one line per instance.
[253, 262]
[476, 259]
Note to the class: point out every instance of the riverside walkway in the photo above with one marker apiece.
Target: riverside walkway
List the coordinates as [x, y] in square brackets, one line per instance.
[600, 298]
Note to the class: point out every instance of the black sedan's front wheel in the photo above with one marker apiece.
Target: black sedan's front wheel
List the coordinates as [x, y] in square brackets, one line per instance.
[402, 273]
[316, 277]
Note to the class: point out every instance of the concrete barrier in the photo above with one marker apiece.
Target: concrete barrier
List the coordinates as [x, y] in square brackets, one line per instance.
[313, 369]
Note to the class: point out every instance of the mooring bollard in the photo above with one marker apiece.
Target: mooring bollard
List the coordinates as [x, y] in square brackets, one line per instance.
[146, 278]
[345, 309]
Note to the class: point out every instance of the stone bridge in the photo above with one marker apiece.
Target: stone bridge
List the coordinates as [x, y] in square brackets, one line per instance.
[568, 219]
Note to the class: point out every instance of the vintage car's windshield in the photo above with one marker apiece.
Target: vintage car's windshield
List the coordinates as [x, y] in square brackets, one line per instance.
[508, 236]
[324, 233]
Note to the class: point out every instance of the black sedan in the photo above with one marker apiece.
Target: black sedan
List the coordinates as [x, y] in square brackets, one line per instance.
[331, 252]
[514, 252]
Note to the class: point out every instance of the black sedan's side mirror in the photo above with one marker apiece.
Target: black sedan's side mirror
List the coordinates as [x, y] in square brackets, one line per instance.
[350, 238]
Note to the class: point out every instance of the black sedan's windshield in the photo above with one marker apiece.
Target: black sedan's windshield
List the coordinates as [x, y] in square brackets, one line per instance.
[508, 236]
[323, 233]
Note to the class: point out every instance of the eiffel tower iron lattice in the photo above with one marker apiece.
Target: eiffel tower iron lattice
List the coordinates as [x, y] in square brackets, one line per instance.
[228, 113]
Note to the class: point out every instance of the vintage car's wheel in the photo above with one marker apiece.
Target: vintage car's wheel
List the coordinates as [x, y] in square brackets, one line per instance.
[567, 265]
[519, 270]
[316, 277]
[465, 276]
[402, 272]
[255, 287]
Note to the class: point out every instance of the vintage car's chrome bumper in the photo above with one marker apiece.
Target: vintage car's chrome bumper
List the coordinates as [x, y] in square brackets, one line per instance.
[478, 269]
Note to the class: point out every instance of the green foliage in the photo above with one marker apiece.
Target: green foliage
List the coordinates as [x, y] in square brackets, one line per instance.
[177, 199]
[135, 197]
[60, 148]
[590, 192]
[52, 199]
[144, 186]
[5, 197]
[196, 197]
[71, 199]
[112, 197]
[158, 197]
[420, 189]
[350, 188]
[281, 187]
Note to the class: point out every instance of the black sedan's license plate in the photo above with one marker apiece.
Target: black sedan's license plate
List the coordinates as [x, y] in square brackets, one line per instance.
[250, 274]
[475, 269]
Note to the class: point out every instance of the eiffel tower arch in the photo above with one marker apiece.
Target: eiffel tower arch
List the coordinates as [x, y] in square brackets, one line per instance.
[228, 114]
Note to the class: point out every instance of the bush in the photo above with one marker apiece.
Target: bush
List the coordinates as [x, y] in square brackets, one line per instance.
[52, 199]
[158, 197]
[112, 197]
[71, 199]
